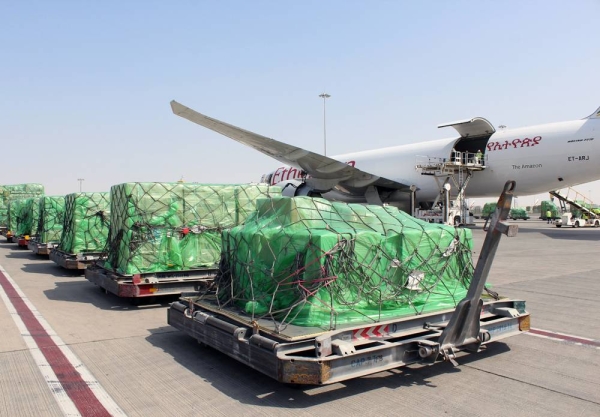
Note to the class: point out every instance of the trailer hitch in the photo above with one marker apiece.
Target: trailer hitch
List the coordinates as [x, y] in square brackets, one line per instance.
[464, 330]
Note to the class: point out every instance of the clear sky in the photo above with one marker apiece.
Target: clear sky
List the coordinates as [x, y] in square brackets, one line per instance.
[85, 86]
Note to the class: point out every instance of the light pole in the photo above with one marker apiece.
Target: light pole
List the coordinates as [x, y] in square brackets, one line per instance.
[324, 96]
[80, 182]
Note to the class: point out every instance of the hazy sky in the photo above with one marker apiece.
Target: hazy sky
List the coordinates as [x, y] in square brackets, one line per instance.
[85, 86]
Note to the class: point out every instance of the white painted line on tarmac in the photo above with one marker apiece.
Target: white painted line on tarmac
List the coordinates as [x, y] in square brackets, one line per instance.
[75, 389]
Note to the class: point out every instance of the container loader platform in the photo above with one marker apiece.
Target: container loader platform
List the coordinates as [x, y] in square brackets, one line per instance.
[149, 284]
[317, 356]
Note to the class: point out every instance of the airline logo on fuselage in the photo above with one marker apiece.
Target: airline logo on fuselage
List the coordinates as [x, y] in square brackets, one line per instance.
[515, 143]
[290, 173]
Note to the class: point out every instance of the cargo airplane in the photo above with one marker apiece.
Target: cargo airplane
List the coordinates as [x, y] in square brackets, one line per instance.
[539, 158]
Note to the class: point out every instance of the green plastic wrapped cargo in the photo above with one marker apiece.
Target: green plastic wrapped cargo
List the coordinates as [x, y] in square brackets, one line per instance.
[174, 226]
[86, 223]
[14, 214]
[50, 224]
[12, 192]
[28, 217]
[311, 262]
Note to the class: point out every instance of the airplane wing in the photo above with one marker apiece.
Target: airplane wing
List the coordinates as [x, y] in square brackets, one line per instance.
[324, 173]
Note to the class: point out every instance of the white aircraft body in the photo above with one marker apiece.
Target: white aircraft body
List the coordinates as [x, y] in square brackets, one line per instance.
[539, 158]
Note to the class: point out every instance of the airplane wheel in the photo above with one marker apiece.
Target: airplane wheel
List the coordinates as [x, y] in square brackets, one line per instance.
[456, 220]
[576, 224]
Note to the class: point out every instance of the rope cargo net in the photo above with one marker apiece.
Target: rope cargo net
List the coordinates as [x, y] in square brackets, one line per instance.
[86, 223]
[28, 216]
[14, 213]
[310, 262]
[13, 192]
[158, 227]
[51, 215]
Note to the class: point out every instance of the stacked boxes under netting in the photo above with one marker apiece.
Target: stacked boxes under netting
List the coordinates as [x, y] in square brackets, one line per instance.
[311, 262]
[86, 223]
[51, 217]
[174, 226]
[14, 214]
[10, 193]
[28, 217]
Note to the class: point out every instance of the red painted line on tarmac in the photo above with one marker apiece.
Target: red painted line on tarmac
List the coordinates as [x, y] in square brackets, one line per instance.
[72, 382]
[568, 338]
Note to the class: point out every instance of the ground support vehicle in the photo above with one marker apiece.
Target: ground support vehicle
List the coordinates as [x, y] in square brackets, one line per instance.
[9, 236]
[149, 284]
[316, 356]
[73, 261]
[568, 219]
[40, 248]
[22, 241]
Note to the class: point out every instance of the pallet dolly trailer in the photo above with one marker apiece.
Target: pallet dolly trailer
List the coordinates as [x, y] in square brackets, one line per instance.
[41, 248]
[314, 356]
[149, 284]
[79, 261]
[22, 241]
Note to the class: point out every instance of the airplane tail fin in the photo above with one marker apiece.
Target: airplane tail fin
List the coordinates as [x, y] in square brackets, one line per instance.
[595, 115]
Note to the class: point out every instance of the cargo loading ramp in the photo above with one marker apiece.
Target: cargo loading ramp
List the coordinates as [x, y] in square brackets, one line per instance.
[574, 199]
[304, 355]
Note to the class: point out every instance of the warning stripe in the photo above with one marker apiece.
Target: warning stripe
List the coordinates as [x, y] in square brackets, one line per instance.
[73, 386]
[565, 337]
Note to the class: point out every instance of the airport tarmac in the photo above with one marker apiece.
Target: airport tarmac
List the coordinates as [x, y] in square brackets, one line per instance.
[140, 366]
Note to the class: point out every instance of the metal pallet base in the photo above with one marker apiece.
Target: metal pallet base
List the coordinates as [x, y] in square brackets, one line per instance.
[40, 248]
[336, 355]
[73, 261]
[150, 284]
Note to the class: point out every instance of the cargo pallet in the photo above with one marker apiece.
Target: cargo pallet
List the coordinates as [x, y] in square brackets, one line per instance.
[40, 248]
[73, 261]
[149, 284]
[316, 356]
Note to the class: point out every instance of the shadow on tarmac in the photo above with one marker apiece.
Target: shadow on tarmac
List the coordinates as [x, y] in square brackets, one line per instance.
[50, 268]
[249, 386]
[83, 291]
[24, 253]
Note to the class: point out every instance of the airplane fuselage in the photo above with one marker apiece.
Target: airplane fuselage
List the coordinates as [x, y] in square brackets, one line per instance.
[539, 158]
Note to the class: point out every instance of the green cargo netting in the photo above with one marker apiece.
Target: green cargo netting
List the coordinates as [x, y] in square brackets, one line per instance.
[50, 224]
[14, 213]
[174, 226]
[28, 217]
[86, 223]
[311, 262]
[9, 193]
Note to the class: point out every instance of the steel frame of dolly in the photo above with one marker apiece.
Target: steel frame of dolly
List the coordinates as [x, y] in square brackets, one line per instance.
[41, 248]
[317, 357]
[149, 284]
[73, 261]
